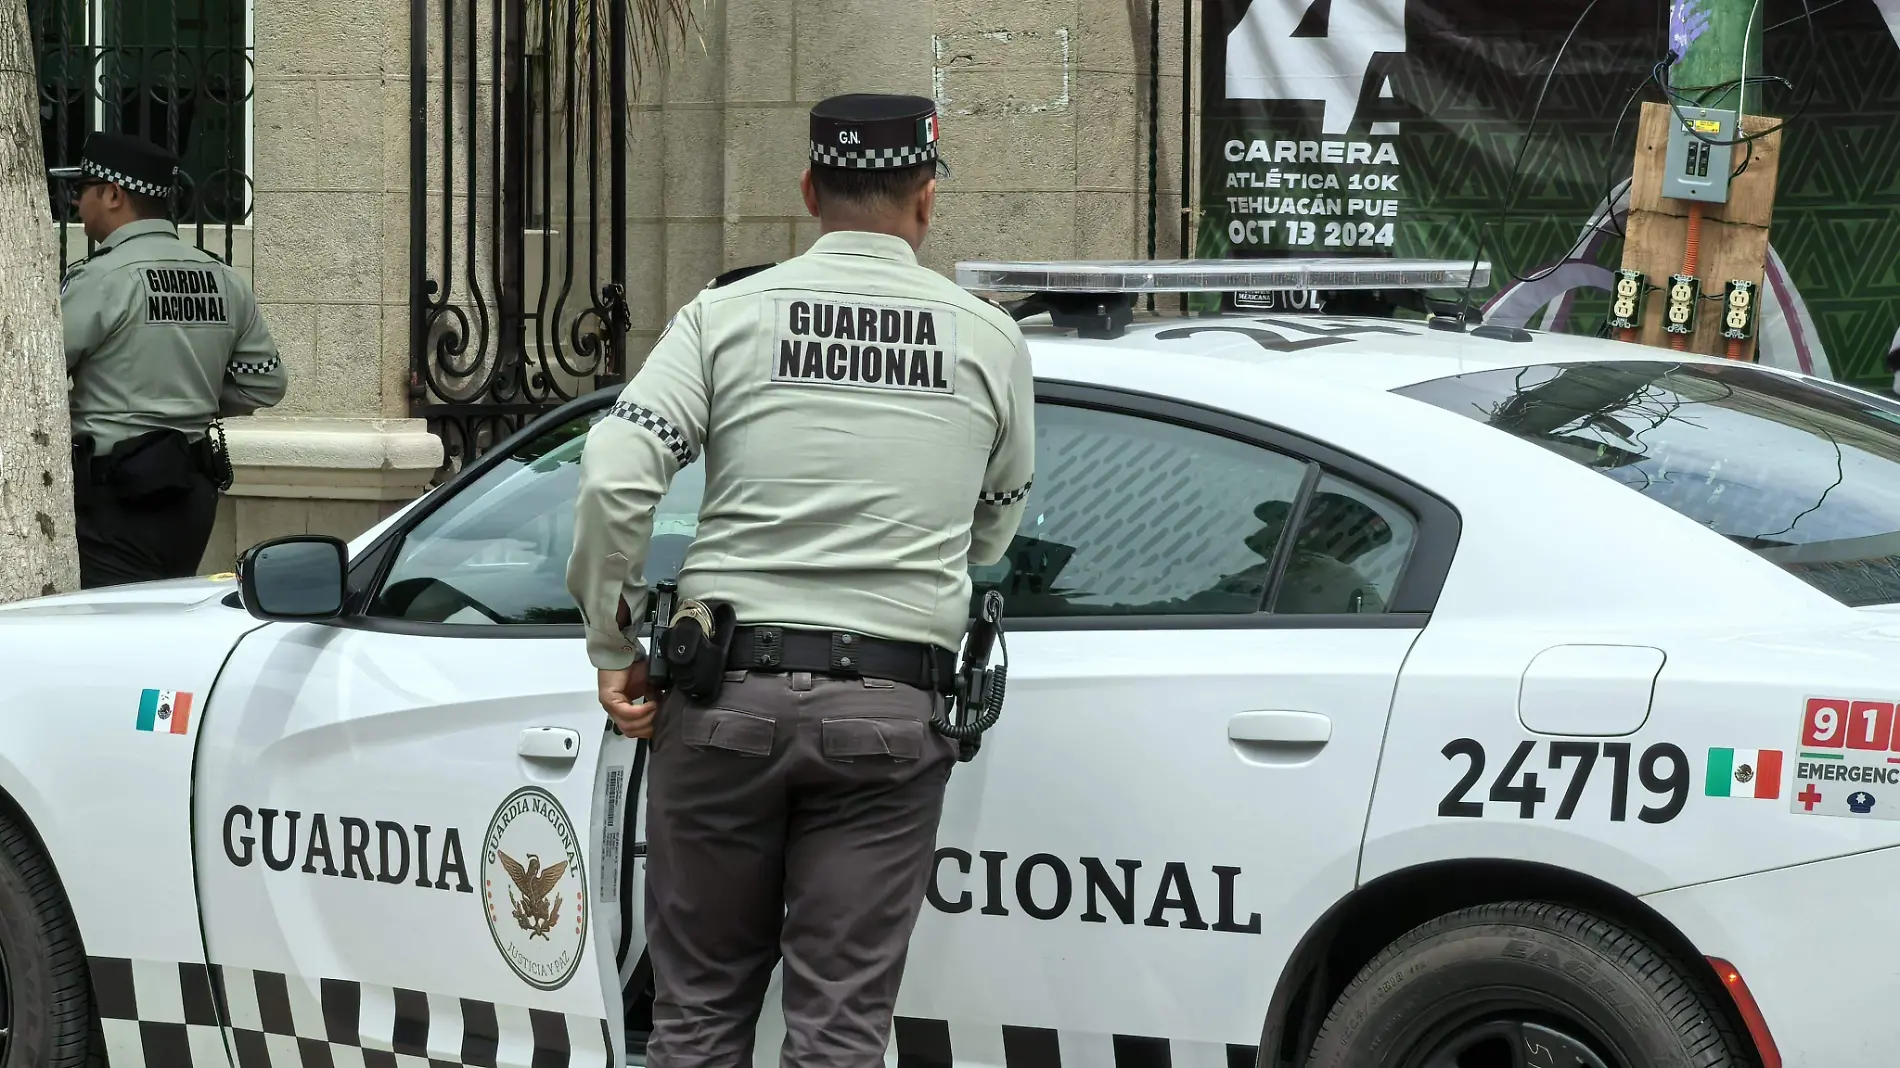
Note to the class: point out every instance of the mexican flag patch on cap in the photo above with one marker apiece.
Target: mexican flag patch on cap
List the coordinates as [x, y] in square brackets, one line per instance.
[1744, 773]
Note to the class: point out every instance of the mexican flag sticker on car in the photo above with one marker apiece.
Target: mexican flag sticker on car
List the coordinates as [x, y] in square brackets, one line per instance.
[1744, 773]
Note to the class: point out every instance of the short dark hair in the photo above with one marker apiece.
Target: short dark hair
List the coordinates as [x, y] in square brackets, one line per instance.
[148, 207]
[867, 188]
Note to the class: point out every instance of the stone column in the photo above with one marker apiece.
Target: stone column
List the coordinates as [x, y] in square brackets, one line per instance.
[331, 225]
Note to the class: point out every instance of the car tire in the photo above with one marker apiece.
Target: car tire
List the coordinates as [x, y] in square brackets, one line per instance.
[45, 989]
[1450, 991]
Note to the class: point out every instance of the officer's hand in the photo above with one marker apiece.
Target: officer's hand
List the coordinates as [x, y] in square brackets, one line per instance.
[627, 696]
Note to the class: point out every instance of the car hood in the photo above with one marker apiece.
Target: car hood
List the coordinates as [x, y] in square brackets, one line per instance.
[168, 597]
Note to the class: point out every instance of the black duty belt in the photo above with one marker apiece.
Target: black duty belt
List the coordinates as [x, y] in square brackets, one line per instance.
[842, 653]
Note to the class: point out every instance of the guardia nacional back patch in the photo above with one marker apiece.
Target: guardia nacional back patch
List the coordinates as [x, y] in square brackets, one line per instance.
[184, 296]
[864, 344]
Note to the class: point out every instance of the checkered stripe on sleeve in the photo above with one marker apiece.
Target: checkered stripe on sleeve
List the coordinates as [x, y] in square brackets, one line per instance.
[1002, 497]
[165, 1015]
[671, 436]
[253, 367]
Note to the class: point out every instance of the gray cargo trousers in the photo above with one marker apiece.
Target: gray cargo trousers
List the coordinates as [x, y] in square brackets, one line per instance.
[794, 818]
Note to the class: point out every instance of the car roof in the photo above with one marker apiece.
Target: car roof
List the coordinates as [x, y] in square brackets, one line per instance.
[1375, 354]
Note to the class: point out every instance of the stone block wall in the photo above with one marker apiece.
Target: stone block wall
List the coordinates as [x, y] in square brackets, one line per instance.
[1045, 125]
[1045, 108]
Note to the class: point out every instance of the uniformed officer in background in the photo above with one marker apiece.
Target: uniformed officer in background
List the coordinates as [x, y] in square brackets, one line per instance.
[867, 429]
[162, 339]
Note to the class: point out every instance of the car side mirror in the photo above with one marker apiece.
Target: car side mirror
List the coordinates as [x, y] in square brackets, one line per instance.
[296, 578]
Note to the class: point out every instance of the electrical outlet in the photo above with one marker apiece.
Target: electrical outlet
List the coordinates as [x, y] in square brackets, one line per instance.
[1626, 301]
[1695, 169]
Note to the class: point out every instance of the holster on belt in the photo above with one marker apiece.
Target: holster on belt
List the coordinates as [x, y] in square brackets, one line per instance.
[698, 641]
[152, 469]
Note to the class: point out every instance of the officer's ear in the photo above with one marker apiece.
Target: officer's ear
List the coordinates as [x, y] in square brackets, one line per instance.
[811, 193]
[927, 202]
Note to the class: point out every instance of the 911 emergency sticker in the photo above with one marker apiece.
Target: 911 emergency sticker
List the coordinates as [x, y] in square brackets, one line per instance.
[1662, 769]
[1848, 763]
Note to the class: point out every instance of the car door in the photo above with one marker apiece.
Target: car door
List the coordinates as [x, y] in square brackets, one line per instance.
[1205, 623]
[408, 821]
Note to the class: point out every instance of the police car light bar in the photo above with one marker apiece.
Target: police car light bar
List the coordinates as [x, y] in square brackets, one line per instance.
[1218, 276]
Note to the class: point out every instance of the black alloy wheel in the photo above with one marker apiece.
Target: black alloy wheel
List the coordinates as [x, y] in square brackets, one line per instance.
[1526, 984]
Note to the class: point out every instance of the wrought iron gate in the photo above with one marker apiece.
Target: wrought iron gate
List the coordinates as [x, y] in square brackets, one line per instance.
[177, 72]
[517, 217]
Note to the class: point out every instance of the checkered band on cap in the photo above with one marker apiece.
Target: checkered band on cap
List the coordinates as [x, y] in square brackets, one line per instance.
[872, 158]
[95, 169]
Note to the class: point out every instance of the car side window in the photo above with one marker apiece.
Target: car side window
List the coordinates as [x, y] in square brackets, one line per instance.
[1351, 547]
[496, 553]
[1135, 516]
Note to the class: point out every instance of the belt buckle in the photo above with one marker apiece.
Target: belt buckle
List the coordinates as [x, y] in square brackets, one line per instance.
[767, 644]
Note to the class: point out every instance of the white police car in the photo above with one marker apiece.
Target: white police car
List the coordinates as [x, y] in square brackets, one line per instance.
[1381, 695]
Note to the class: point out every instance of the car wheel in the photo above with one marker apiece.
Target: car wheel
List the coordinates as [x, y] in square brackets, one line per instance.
[45, 992]
[1488, 986]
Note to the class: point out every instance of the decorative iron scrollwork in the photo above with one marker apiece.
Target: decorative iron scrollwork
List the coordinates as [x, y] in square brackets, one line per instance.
[519, 126]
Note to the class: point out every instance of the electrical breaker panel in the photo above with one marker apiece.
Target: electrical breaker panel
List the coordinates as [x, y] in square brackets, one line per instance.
[1695, 169]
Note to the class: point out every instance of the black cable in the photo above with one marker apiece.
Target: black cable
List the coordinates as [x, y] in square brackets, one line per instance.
[1670, 94]
[1609, 165]
[1517, 166]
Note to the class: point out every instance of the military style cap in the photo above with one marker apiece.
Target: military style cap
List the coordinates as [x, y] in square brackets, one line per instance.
[133, 162]
[875, 131]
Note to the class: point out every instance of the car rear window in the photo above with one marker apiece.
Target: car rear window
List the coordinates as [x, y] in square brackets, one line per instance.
[1807, 476]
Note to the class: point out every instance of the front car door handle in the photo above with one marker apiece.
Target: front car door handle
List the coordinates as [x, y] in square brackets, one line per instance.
[1280, 728]
[549, 743]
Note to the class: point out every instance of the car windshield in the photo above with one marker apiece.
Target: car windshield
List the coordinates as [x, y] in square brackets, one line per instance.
[497, 551]
[1805, 475]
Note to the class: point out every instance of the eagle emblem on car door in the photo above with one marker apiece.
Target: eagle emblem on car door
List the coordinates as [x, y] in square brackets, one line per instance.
[534, 888]
[536, 914]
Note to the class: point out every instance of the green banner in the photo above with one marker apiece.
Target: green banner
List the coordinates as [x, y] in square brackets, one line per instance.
[1405, 128]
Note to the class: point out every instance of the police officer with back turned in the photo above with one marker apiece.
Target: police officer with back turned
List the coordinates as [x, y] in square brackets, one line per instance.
[161, 340]
[867, 430]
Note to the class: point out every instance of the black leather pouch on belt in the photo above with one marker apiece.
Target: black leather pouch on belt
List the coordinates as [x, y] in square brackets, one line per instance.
[152, 469]
[698, 659]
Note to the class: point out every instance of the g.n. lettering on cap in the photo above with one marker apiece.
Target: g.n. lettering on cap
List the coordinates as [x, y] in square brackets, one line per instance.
[874, 131]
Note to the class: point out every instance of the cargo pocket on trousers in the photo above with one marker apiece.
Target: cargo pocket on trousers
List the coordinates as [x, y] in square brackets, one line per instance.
[729, 730]
[873, 739]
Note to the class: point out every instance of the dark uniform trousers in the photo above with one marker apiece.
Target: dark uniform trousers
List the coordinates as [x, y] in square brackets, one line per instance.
[123, 540]
[794, 817]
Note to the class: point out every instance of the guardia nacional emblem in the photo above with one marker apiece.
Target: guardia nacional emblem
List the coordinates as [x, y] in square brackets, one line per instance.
[534, 888]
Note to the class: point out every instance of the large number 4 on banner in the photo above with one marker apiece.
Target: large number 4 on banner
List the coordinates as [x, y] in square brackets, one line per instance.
[1319, 50]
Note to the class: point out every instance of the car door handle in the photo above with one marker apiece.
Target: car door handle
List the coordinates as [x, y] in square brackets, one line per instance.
[1304, 729]
[549, 743]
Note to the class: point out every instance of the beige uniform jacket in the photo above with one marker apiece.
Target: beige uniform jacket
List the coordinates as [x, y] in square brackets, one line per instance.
[161, 335]
[868, 431]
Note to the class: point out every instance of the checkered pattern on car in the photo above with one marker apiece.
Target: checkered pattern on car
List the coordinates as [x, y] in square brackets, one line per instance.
[920, 1043]
[157, 1014]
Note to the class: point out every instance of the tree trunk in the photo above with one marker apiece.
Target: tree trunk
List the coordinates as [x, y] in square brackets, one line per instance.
[38, 554]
